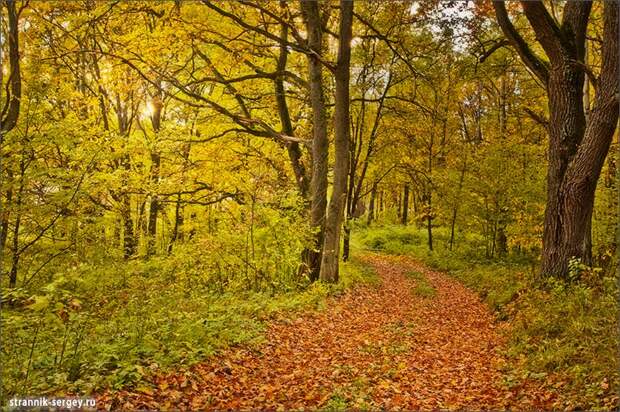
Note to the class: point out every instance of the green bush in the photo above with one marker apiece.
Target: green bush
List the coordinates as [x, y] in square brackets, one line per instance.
[111, 325]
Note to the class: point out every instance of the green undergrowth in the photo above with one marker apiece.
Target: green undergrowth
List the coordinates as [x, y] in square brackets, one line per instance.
[109, 326]
[423, 287]
[563, 332]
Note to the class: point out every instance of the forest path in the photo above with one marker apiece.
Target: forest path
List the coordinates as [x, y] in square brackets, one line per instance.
[419, 340]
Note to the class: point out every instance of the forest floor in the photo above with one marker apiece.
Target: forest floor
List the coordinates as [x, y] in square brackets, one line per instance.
[418, 340]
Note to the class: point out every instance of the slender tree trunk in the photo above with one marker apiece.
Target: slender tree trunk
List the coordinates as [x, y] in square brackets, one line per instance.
[155, 170]
[501, 240]
[154, 206]
[456, 204]
[179, 218]
[15, 252]
[371, 207]
[493, 238]
[10, 111]
[129, 240]
[405, 215]
[452, 227]
[293, 149]
[346, 241]
[5, 216]
[350, 202]
[320, 144]
[329, 264]
[178, 222]
[429, 219]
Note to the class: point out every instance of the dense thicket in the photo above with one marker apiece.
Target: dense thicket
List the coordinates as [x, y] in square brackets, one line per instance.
[205, 119]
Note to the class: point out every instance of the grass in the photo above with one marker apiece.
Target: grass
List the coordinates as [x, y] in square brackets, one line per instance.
[100, 327]
[423, 287]
[565, 333]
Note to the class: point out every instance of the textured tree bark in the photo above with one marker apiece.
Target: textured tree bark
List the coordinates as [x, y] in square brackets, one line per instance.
[342, 131]
[293, 149]
[577, 145]
[320, 144]
[346, 241]
[577, 152]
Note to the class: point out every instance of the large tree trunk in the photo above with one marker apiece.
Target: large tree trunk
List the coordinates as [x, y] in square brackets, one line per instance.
[329, 265]
[577, 151]
[577, 145]
[320, 144]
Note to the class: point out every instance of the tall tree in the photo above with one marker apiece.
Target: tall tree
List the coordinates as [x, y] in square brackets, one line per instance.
[10, 108]
[320, 142]
[156, 117]
[578, 144]
[335, 213]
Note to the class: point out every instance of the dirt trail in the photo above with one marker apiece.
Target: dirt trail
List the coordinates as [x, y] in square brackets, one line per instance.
[374, 347]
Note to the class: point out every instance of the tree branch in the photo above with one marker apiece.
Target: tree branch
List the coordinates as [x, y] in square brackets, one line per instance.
[533, 62]
[10, 112]
[575, 24]
[548, 33]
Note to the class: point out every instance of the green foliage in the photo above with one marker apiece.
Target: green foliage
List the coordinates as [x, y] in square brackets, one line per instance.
[562, 329]
[111, 325]
[568, 328]
[423, 287]
[337, 403]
